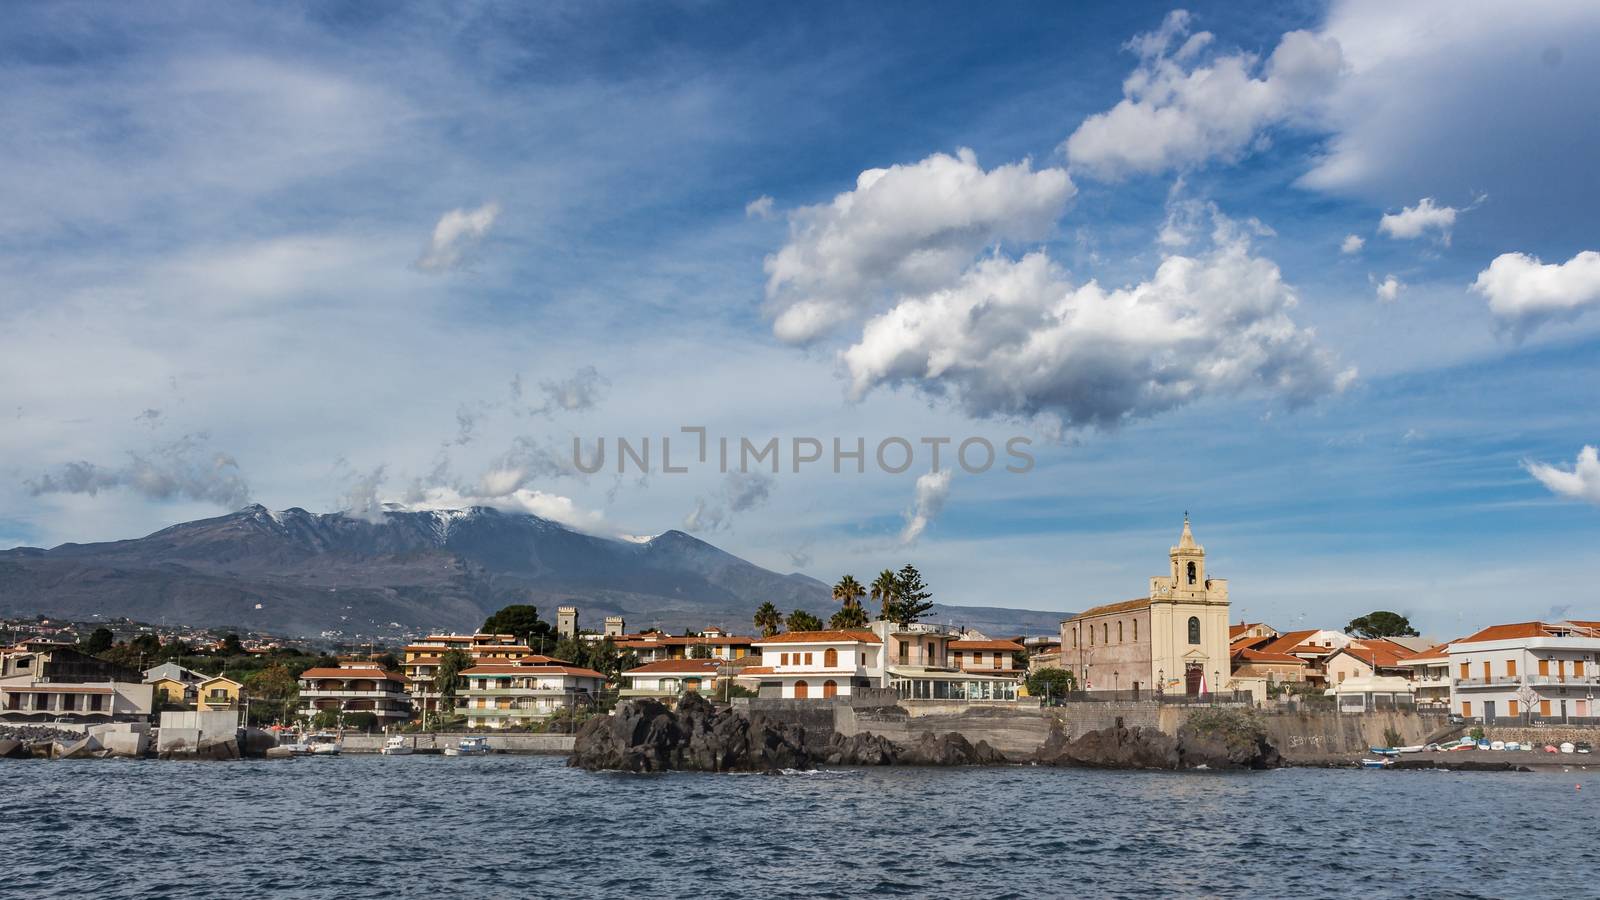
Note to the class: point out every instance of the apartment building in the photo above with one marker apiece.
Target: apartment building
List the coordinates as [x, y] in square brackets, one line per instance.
[513, 694]
[669, 679]
[355, 686]
[420, 660]
[46, 681]
[1526, 670]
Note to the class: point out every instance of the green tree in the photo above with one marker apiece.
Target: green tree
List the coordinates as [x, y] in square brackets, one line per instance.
[1049, 683]
[231, 646]
[99, 641]
[800, 620]
[849, 617]
[849, 591]
[521, 621]
[911, 597]
[605, 658]
[1380, 624]
[274, 684]
[447, 678]
[387, 662]
[361, 720]
[573, 650]
[768, 619]
[884, 591]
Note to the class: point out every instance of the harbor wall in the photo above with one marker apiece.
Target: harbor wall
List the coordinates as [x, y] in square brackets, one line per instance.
[1544, 734]
[435, 742]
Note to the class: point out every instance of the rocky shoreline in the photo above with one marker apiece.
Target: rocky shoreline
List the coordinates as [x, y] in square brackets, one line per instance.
[647, 736]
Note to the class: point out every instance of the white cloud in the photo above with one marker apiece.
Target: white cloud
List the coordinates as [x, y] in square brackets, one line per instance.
[1017, 339]
[1389, 289]
[456, 234]
[1413, 221]
[1352, 244]
[1177, 113]
[1581, 482]
[759, 208]
[740, 492]
[554, 507]
[1442, 96]
[905, 228]
[933, 489]
[1523, 292]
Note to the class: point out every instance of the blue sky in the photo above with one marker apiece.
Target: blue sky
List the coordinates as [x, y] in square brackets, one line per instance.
[1321, 274]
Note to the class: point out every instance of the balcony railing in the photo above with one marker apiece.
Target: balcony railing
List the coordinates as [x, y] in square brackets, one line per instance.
[314, 692]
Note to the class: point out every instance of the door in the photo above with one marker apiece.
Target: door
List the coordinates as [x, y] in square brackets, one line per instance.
[1193, 674]
[801, 690]
[1488, 710]
[830, 689]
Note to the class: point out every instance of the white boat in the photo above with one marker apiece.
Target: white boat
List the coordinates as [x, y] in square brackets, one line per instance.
[469, 746]
[298, 746]
[1567, 747]
[1380, 763]
[324, 743]
[1416, 749]
[396, 745]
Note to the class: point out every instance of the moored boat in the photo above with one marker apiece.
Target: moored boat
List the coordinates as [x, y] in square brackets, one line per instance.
[397, 745]
[1382, 763]
[324, 743]
[469, 746]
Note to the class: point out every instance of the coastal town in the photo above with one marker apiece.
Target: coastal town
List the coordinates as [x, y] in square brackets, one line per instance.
[1177, 647]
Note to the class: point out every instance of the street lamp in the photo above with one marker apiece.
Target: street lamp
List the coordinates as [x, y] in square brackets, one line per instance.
[1161, 683]
[1216, 680]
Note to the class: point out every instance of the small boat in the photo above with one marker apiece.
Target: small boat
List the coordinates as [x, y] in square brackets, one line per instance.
[396, 745]
[1513, 745]
[1566, 747]
[469, 746]
[1485, 745]
[1385, 751]
[1416, 749]
[298, 746]
[324, 743]
[1499, 745]
[1383, 763]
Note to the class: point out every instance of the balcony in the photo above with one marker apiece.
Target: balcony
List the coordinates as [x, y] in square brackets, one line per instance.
[392, 695]
[1494, 681]
[218, 702]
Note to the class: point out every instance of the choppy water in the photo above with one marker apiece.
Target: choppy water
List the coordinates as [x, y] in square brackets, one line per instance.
[508, 826]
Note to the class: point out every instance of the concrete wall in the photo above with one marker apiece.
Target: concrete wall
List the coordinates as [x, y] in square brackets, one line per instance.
[511, 743]
[1308, 734]
[1545, 734]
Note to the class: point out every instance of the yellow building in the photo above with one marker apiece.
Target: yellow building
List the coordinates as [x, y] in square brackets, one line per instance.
[171, 691]
[218, 692]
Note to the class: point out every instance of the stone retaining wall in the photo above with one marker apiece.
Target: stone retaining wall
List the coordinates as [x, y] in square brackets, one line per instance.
[437, 741]
[1544, 734]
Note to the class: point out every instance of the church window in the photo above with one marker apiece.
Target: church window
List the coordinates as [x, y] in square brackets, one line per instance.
[1105, 633]
[1135, 630]
[1194, 630]
[1191, 573]
[1119, 632]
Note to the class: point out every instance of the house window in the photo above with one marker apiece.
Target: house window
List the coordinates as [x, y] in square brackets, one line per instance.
[1511, 707]
[808, 659]
[977, 657]
[94, 703]
[1466, 672]
[1511, 668]
[783, 659]
[1577, 668]
[1544, 667]
[830, 689]
[1194, 629]
[830, 660]
[1466, 706]
[1105, 632]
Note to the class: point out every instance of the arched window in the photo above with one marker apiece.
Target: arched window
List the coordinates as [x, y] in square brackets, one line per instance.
[1194, 630]
[1136, 630]
[1119, 632]
[1191, 573]
[830, 660]
[1091, 635]
[801, 691]
[1105, 633]
[829, 689]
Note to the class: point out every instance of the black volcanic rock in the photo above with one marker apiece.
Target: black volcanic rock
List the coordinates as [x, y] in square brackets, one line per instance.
[1221, 740]
[299, 572]
[646, 736]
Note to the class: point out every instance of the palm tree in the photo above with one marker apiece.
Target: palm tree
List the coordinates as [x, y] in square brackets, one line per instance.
[800, 620]
[849, 591]
[768, 619]
[884, 589]
[852, 616]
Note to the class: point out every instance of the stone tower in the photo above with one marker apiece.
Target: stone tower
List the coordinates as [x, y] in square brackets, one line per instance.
[614, 627]
[567, 621]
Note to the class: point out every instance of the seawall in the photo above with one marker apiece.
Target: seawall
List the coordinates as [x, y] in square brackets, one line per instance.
[435, 742]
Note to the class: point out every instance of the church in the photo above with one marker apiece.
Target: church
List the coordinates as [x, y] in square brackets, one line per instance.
[1173, 640]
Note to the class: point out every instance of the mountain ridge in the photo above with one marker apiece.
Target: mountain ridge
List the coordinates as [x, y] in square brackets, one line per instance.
[302, 573]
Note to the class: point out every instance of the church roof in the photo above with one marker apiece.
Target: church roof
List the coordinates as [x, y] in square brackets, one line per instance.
[1124, 606]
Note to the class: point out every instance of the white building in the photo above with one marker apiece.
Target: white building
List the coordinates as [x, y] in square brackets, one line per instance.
[1528, 669]
[914, 660]
[503, 695]
[355, 686]
[669, 679]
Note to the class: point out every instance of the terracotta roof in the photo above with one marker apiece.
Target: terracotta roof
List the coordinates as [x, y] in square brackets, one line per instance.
[373, 673]
[1378, 652]
[205, 681]
[1290, 641]
[1124, 606]
[502, 669]
[822, 637]
[755, 670]
[1012, 646]
[1527, 630]
[1262, 656]
[694, 666]
[1436, 652]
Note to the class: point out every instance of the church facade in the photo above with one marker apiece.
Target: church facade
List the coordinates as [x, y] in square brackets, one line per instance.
[1175, 639]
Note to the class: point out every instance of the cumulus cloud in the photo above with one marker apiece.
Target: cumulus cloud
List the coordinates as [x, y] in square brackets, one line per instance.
[457, 233]
[1581, 482]
[363, 499]
[1412, 222]
[1389, 289]
[933, 489]
[184, 469]
[740, 492]
[902, 229]
[1352, 244]
[759, 208]
[1019, 339]
[1181, 109]
[554, 507]
[1523, 291]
